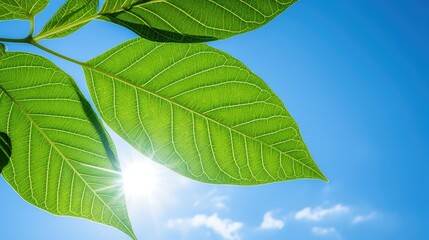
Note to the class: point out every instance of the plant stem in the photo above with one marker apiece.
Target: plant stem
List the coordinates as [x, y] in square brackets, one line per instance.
[34, 43]
[31, 41]
[20, 40]
[30, 34]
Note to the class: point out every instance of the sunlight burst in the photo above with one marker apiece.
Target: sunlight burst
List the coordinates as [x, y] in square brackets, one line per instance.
[141, 179]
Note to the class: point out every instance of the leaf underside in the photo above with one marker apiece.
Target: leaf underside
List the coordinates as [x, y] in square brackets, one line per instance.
[199, 112]
[189, 107]
[63, 161]
[192, 20]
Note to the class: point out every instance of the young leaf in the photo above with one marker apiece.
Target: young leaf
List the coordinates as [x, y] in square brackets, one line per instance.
[199, 112]
[22, 9]
[5, 150]
[70, 17]
[63, 161]
[192, 20]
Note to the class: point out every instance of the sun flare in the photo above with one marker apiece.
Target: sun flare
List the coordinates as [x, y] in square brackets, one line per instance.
[141, 179]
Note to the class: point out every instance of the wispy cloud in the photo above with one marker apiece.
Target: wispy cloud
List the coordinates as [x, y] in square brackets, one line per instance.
[212, 200]
[226, 228]
[318, 213]
[320, 231]
[270, 223]
[219, 202]
[363, 218]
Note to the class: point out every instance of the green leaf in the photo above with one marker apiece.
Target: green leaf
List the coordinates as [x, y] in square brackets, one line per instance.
[5, 150]
[119, 5]
[2, 50]
[63, 161]
[199, 112]
[192, 20]
[21, 9]
[70, 17]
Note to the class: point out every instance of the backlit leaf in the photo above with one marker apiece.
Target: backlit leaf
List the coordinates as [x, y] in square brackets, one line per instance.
[70, 17]
[21, 9]
[192, 20]
[199, 112]
[63, 161]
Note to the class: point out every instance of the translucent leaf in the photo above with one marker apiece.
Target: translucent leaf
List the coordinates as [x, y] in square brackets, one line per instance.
[192, 20]
[21, 9]
[63, 161]
[70, 17]
[199, 112]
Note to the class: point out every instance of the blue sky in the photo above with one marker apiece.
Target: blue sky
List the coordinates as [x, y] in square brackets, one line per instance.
[354, 75]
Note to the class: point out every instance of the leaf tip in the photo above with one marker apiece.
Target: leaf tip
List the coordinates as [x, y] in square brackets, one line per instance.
[318, 174]
[132, 235]
[322, 176]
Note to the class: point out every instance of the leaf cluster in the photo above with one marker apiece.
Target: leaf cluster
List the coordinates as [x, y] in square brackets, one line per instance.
[184, 104]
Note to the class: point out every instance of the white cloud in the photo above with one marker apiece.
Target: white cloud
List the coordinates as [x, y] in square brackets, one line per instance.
[323, 231]
[270, 222]
[363, 218]
[212, 200]
[219, 202]
[317, 214]
[226, 228]
[320, 231]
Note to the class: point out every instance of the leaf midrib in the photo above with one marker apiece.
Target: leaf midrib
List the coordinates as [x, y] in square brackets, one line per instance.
[124, 80]
[26, 114]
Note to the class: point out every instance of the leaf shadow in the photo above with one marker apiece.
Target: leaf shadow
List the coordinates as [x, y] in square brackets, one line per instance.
[156, 34]
[5, 150]
[105, 138]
